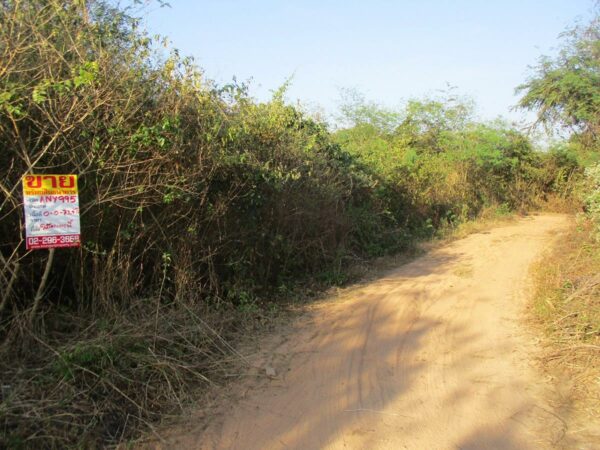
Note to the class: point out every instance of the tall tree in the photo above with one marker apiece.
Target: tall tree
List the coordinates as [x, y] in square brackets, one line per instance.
[565, 90]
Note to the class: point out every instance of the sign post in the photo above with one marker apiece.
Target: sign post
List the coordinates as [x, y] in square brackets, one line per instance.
[51, 211]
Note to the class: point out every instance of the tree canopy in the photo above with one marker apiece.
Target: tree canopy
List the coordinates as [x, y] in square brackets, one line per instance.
[565, 90]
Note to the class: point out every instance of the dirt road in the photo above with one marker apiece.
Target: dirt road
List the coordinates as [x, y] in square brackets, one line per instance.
[432, 355]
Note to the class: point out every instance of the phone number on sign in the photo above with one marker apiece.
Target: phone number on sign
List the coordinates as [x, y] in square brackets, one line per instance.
[65, 240]
[61, 212]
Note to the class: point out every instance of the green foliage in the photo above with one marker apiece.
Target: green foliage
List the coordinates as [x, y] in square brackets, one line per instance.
[438, 167]
[92, 357]
[565, 90]
[356, 110]
[428, 124]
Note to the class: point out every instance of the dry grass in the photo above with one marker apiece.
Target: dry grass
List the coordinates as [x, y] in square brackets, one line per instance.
[567, 310]
[86, 385]
[488, 217]
[560, 204]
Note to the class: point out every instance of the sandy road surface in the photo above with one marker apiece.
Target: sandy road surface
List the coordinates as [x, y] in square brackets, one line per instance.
[432, 355]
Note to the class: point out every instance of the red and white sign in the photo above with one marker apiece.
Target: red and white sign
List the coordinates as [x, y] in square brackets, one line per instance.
[51, 211]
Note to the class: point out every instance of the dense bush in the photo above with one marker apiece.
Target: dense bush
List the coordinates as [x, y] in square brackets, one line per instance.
[184, 187]
[447, 167]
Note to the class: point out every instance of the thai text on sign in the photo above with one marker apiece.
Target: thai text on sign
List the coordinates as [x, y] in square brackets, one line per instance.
[51, 211]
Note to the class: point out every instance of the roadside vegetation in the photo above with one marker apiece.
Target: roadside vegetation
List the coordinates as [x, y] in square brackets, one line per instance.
[565, 92]
[567, 310]
[201, 207]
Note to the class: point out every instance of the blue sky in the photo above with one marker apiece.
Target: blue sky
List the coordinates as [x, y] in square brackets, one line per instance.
[388, 50]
